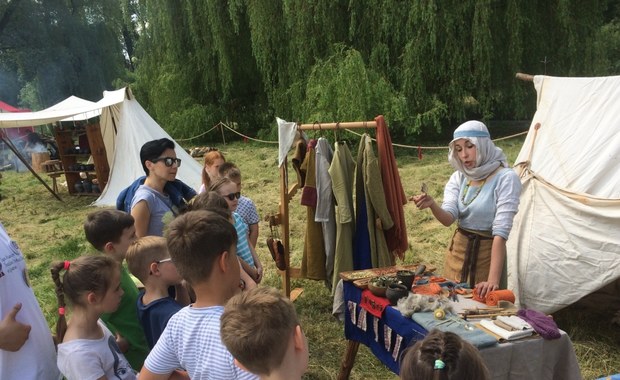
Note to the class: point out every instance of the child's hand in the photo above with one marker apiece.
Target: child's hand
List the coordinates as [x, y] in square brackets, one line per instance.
[122, 343]
[259, 273]
[13, 334]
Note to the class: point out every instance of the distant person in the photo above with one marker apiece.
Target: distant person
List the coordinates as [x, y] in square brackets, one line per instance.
[261, 330]
[229, 190]
[26, 345]
[212, 201]
[482, 196]
[443, 356]
[202, 244]
[154, 199]
[213, 159]
[148, 259]
[111, 232]
[245, 207]
[88, 349]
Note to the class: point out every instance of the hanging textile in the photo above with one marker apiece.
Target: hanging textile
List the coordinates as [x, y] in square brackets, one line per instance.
[396, 236]
[325, 212]
[341, 171]
[313, 259]
[371, 250]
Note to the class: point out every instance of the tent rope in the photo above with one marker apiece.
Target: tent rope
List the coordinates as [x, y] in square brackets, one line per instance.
[221, 124]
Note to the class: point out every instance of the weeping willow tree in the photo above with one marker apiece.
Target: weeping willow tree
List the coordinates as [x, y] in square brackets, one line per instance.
[425, 64]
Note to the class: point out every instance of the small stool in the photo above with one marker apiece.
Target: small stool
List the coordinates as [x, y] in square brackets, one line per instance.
[50, 166]
[53, 176]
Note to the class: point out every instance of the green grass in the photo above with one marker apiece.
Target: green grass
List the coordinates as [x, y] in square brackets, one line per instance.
[49, 230]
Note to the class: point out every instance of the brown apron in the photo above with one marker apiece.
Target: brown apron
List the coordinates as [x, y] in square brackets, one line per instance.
[468, 258]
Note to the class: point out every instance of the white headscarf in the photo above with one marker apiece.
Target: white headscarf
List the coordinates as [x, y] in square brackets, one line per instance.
[488, 156]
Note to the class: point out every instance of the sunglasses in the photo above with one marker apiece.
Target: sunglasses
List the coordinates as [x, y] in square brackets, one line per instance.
[168, 161]
[233, 196]
[164, 260]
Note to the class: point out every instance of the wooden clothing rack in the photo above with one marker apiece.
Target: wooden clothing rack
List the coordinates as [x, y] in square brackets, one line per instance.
[287, 193]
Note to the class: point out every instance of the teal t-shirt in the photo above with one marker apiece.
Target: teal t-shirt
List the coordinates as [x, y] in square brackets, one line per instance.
[125, 321]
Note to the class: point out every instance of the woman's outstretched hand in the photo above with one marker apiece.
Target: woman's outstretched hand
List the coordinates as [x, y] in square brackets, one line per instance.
[422, 201]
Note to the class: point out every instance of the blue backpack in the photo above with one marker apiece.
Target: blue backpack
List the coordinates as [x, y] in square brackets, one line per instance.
[180, 194]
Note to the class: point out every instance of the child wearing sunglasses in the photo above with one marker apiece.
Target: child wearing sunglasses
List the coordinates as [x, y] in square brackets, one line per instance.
[245, 207]
[229, 190]
[149, 260]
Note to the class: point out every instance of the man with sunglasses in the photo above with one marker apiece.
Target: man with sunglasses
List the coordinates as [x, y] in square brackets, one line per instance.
[154, 198]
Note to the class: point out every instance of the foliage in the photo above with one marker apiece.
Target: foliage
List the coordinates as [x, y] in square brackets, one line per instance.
[425, 64]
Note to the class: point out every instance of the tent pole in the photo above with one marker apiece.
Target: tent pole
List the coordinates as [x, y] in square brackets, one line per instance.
[9, 143]
[524, 77]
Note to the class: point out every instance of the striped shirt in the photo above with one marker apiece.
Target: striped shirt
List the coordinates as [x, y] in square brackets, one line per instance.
[243, 245]
[192, 341]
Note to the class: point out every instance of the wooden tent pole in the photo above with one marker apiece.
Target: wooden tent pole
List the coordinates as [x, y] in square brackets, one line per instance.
[525, 77]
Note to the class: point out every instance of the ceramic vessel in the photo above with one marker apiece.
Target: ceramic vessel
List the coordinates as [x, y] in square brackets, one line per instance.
[406, 277]
[395, 292]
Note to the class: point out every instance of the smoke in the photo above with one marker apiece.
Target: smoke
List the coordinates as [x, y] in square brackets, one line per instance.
[38, 148]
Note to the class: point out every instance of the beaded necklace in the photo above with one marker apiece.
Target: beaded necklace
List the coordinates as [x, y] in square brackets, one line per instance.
[475, 195]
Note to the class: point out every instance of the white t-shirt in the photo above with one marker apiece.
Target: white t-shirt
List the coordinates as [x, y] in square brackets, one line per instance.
[85, 359]
[37, 357]
[192, 341]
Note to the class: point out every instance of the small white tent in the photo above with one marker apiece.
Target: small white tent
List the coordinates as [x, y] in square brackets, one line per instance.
[125, 127]
[565, 242]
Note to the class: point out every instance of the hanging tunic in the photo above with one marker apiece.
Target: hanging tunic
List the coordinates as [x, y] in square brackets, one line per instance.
[313, 259]
[325, 212]
[371, 250]
[396, 236]
[341, 171]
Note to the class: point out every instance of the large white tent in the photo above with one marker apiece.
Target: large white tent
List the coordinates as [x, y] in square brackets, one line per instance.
[565, 243]
[125, 127]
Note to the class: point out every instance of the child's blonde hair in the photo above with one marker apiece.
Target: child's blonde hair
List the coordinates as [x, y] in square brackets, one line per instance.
[143, 252]
[256, 326]
[85, 274]
[230, 170]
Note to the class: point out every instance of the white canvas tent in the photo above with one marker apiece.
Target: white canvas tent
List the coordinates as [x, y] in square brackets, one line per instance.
[565, 242]
[125, 127]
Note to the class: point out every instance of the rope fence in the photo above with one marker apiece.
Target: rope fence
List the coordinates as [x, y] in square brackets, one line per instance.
[419, 147]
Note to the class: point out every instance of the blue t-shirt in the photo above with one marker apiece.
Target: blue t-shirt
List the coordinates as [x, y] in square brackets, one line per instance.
[154, 316]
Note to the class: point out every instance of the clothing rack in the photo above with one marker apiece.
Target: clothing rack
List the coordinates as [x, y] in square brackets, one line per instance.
[287, 193]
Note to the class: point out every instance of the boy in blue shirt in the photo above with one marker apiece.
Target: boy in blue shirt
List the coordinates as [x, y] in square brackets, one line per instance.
[148, 259]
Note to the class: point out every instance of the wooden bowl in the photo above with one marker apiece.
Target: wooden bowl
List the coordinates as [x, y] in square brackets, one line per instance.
[378, 291]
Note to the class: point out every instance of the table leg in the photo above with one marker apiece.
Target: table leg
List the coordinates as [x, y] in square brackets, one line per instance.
[349, 359]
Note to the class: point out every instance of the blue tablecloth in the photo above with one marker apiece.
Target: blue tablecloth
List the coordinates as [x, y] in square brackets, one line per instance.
[387, 337]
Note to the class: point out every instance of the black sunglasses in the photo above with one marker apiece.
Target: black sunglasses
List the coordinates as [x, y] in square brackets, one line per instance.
[168, 161]
[232, 196]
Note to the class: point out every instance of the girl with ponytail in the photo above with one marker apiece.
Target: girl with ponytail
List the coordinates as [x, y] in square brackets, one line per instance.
[87, 349]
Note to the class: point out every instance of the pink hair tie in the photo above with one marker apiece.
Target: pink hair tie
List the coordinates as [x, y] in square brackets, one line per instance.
[67, 264]
[61, 311]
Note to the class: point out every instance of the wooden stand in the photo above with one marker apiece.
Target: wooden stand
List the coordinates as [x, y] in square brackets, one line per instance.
[74, 160]
[286, 194]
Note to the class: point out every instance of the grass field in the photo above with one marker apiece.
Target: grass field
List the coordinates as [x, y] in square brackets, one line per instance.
[48, 230]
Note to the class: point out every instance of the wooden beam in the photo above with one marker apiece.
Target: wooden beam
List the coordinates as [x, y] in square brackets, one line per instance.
[349, 124]
[525, 77]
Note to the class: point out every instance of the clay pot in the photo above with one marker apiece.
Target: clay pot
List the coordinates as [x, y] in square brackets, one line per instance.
[395, 292]
[88, 186]
[406, 277]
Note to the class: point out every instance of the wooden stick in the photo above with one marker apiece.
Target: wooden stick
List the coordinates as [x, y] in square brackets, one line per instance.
[349, 124]
[525, 77]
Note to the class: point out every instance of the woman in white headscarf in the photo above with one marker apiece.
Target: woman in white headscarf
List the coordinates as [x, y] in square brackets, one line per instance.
[482, 195]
